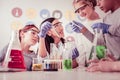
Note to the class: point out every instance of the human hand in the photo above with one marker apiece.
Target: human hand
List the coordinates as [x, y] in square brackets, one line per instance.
[104, 66]
[93, 61]
[110, 57]
[102, 26]
[75, 26]
[45, 27]
[106, 58]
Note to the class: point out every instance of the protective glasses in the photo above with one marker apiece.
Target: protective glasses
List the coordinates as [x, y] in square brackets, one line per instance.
[81, 8]
[57, 24]
[33, 32]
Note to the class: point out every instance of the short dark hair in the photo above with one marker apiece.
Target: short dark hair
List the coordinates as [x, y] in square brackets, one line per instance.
[94, 2]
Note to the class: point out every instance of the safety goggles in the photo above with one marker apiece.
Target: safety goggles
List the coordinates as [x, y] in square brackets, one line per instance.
[33, 32]
[81, 8]
[58, 24]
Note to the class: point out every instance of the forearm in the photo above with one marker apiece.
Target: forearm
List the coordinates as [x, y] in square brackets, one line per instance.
[42, 48]
[116, 66]
[109, 66]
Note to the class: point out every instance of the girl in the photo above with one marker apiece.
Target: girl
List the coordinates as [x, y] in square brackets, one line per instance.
[52, 32]
[28, 37]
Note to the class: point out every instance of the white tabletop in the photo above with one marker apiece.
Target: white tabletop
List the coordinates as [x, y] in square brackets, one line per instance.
[76, 74]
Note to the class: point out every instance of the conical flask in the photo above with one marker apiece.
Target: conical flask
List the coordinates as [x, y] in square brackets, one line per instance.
[97, 51]
[93, 49]
[67, 56]
[14, 57]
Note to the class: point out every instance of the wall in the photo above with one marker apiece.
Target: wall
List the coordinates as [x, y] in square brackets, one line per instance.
[30, 13]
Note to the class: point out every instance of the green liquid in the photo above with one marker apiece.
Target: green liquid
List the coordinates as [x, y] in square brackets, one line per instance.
[67, 64]
[100, 51]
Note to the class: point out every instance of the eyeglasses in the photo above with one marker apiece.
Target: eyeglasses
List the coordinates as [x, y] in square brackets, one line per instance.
[81, 8]
[33, 32]
[57, 24]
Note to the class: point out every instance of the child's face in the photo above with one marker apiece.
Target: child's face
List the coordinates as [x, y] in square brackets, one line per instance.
[30, 37]
[84, 9]
[57, 29]
[105, 5]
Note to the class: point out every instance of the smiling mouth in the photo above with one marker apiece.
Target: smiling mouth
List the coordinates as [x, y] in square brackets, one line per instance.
[34, 40]
[101, 8]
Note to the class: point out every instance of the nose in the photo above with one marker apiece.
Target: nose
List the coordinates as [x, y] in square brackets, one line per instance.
[36, 36]
[98, 3]
[61, 28]
[82, 14]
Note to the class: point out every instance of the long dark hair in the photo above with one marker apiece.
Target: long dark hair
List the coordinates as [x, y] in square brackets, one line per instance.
[49, 39]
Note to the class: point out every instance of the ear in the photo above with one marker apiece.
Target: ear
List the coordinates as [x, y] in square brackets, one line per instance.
[21, 34]
[49, 33]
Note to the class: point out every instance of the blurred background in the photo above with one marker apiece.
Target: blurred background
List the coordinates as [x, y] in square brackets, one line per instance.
[15, 14]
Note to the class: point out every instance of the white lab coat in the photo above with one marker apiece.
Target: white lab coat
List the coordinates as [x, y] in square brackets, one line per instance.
[83, 44]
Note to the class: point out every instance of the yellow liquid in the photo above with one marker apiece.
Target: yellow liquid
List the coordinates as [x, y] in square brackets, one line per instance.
[37, 67]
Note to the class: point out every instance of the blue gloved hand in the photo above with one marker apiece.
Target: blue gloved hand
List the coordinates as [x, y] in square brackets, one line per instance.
[75, 26]
[102, 26]
[75, 53]
[44, 28]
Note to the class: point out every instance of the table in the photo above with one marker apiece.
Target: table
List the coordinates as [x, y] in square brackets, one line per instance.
[75, 74]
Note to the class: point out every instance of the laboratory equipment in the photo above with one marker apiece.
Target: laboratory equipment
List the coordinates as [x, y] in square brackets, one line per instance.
[52, 65]
[97, 51]
[67, 55]
[37, 64]
[14, 57]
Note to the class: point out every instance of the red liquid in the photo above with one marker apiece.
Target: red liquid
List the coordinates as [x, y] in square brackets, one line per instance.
[17, 60]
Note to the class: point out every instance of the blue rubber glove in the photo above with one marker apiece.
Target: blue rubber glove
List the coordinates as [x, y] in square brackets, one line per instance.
[45, 27]
[102, 26]
[75, 53]
[75, 26]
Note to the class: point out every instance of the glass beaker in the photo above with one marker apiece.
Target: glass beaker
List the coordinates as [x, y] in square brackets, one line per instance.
[67, 56]
[37, 64]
